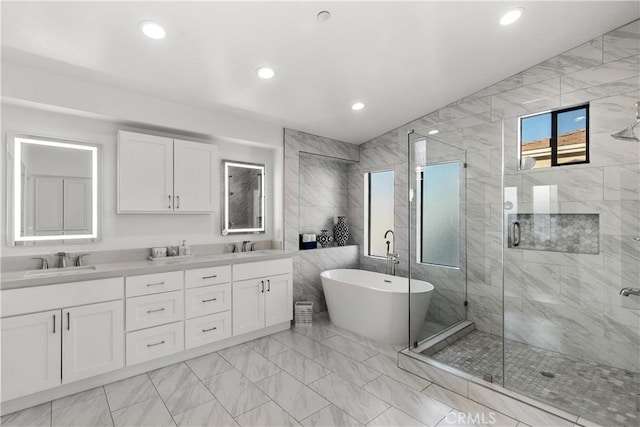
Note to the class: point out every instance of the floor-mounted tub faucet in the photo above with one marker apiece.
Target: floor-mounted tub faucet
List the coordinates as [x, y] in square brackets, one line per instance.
[392, 257]
[625, 292]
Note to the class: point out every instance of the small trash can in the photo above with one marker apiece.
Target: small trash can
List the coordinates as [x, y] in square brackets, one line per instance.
[303, 312]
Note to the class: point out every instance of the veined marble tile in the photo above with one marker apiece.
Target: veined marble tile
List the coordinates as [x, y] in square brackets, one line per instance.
[411, 402]
[389, 366]
[209, 414]
[314, 331]
[347, 368]
[36, 416]
[267, 346]
[432, 373]
[127, 392]
[147, 413]
[184, 398]
[482, 137]
[606, 90]
[252, 365]
[526, 94]
[532, 277]
[588, 285]
[448, 129]
[622, 182]
[509, 83]
[302, 368]
[486, 189]
[349, 348]
[330, 416]
[83, 396]
[465, 109]
[616, 217]
[236, 393]
[622, 42]
[568, 185]
[93, 411]
[267, 415]
[352, 399]
[609, 72]
[208, 365]
[293, 396]
[614, 113]
[394, 417]
[301, 344]
[178, 376]
[607, 151]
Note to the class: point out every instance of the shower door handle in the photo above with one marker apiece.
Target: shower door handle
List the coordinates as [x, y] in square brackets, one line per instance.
[515, 234]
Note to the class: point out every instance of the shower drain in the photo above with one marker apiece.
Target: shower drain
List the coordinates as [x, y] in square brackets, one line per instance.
[547, 374]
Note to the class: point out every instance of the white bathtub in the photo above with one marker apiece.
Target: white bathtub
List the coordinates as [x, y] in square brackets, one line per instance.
[375, 305]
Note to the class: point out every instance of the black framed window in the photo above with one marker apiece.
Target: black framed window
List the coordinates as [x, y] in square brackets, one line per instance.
[555, 138]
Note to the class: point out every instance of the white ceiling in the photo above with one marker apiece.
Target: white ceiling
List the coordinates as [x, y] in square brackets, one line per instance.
[402, 59]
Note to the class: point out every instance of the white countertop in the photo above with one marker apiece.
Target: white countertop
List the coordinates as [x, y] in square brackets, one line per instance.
[18, 279]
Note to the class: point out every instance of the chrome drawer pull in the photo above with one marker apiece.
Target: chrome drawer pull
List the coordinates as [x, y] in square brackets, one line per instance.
[54, 323]
[210, 329]
[209, 300]
[153, 345]
[155, 311]
[155, 284]
[209, 277]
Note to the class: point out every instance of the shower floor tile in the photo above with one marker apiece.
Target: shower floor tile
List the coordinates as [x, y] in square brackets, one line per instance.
[597, 392]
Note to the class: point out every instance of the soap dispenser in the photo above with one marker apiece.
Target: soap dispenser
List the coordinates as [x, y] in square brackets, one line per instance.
[184, 250]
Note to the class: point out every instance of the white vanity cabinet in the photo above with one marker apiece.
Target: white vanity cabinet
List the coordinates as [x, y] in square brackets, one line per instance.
[164, 175]
[262, 295]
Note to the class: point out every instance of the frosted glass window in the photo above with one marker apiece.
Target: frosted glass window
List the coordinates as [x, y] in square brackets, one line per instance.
[440, 224]
[379, 212]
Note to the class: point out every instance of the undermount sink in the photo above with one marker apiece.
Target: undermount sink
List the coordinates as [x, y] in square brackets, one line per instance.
[60, 271]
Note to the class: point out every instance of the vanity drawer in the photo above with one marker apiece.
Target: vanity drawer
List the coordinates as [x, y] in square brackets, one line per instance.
[252, 270]
[207, 276]
[207, 300]
[207, 329]
[154, 283]
[152, 343]
[154, 310]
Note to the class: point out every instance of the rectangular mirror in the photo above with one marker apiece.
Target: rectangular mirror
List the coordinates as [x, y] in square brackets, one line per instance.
[243, 197]
[54, 187]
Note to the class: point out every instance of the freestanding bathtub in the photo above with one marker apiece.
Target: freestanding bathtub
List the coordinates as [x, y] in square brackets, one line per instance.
[375, 305]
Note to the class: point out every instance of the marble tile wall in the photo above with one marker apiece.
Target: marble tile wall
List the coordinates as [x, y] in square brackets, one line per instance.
[560, 301]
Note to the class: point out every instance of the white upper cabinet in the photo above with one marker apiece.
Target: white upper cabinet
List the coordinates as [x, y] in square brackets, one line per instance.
[158, 174]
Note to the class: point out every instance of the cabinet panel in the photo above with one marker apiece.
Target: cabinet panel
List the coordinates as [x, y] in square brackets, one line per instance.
[152, 343]
[252, 270]
[248, 306]
[279, 299]
[195, 172]
[145, 173]
[31, 349]
[207, 276]
[147, 284]
[207, 300]
[154, 310]
[207, 329]
[92, 341]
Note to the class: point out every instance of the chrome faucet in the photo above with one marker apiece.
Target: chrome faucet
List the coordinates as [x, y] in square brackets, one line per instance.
[392, 257]
[45, 263]
[625, 292]
[245, 245]
[62, 260]
[79, 259]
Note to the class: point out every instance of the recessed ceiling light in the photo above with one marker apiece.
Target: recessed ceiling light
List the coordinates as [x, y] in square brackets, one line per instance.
[152, 29]
[357, 106]
[433, 131]
[265, 72]
[324, 16]
[511, 16]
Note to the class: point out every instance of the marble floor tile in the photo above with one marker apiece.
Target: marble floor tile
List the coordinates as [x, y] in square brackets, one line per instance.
[178, 377]
[166, 370]
[330, 416]
[267, 346]
[127, 392]
[187, 397]
[349, 348]
[302, 344]
[396, 418]
[291, 395]
[209, 414]
[252, 365]
[315, 332]
[409, 401]
[267, 415]
[302, 368]
[36, 416]
[148, 413]
[352, 399]
[347, 368]
[88, 412]
[388, 366]
[77, 398]
[208, 365]
[235, 392]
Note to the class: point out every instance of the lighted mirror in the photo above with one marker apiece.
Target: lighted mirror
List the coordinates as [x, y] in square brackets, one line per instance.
[54, 187]
[243, 197]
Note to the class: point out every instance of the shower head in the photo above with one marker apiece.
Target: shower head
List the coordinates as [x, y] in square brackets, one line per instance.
[632, 132]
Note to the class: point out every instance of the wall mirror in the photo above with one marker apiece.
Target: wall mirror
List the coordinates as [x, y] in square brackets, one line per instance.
[54, 191]
[243, 197]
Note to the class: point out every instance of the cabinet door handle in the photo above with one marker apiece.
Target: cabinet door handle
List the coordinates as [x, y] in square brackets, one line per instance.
[209, 277]
[68, 321]
[177, 202]
[155, 311]
[262, 288]
[210, 329]
[153, 345]
[268, 285]
[209, 300]
[169, 196]
[155, 284]
[54, 323]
